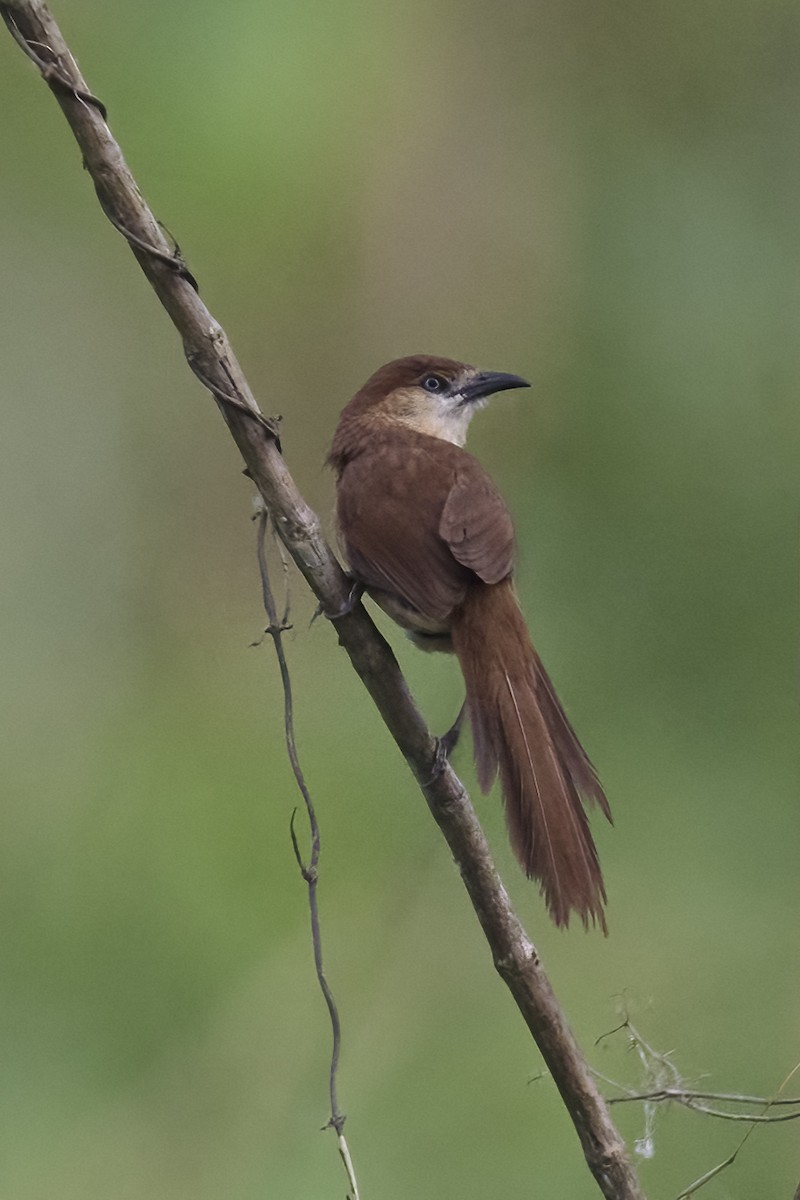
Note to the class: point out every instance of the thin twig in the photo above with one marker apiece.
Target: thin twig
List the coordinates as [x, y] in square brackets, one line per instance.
[707, 1176]
[309, 870]
[722, 1097]
[515, 957]
[691, 1099]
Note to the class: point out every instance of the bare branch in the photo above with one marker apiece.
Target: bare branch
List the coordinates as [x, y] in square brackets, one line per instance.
[212, 359]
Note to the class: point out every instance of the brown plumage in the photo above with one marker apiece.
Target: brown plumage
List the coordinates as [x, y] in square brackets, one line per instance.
[428, 534]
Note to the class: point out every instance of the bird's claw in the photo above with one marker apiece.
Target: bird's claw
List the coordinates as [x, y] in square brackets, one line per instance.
[347, 606]
[445, 745]
[441, 762]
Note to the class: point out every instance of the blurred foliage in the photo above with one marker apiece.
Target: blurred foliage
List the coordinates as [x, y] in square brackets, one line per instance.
[602, 196]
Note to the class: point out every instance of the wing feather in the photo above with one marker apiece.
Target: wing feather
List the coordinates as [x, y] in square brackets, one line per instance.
[421, 520]
[476, 524]
[389, 503]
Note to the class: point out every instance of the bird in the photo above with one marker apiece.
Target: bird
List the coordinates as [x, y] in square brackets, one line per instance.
[428, 536]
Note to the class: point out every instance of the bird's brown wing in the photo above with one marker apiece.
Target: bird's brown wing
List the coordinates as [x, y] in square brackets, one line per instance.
[476, 524]
[389, 503]
[422, 520]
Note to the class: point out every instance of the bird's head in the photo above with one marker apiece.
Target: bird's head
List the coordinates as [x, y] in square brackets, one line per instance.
[436, 396]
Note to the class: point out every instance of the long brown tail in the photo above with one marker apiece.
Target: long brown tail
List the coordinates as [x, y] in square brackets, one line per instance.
[519, 727]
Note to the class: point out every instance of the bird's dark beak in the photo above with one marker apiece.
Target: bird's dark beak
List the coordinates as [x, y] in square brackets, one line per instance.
[486, 383]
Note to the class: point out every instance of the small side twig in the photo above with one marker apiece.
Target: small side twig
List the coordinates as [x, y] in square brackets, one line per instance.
[666, 1085]
[309, 870]
[692, 1099]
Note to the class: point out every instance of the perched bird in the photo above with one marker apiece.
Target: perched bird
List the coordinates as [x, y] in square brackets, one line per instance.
[428, 535]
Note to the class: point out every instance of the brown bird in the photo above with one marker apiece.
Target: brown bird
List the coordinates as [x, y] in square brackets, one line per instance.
[428, 535]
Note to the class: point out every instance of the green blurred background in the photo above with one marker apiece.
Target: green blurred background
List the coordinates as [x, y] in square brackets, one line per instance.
[601, 196]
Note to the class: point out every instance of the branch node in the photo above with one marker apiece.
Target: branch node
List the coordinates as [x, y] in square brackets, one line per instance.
[222, 396]
[337, 1122]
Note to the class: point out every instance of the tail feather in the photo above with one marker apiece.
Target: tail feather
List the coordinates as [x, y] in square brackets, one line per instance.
[520, 729]
[580, 767]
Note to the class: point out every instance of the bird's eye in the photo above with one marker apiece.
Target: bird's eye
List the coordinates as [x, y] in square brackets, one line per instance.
[434, 383]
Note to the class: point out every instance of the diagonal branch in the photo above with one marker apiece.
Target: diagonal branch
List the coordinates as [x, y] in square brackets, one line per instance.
[211, 357]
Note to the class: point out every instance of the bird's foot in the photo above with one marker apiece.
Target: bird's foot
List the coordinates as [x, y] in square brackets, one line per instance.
[446, 744]
[448, 741]
[347, 606]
